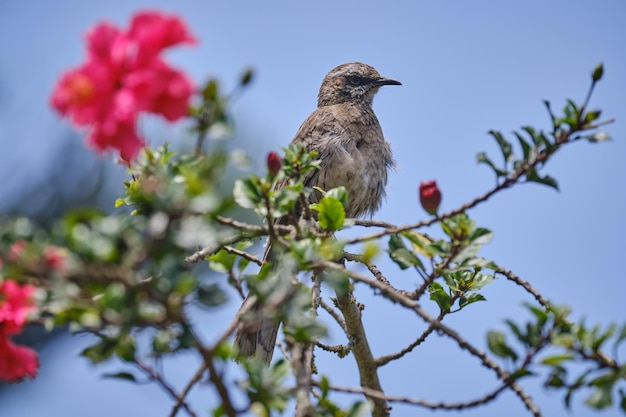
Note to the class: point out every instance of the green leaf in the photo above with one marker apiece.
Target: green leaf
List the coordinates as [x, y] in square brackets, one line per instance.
[248, 193]
[324, 386]
[555, 380]
[592, 115]
[101, 351]
[469, 299]
[126, 376]
[556, 360]
[482, 158]
[222, 261]
[440, 296]
[539, 313]
[339, 193]
[402, 256]
[395, 243]
[481, 236]
[621, 336]
[331, 213]
[481, 280]
[552, 117]
[532, 176]
[209, 92]
[539, 138]
[517, 332]
[520, 373]
[497, 344]
[526, 148]
[505, 145]
[601, 397]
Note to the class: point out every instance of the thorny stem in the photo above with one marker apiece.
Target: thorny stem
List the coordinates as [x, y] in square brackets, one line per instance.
[396, 297]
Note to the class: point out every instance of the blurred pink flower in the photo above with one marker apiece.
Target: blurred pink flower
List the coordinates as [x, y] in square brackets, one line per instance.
[16, 304]
[16, 361]
[54, 257]
[123, 76]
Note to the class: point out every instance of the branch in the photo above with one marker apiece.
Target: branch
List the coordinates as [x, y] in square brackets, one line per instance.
[368, 370]
[396, 297]
[214, 377]
[524, 284]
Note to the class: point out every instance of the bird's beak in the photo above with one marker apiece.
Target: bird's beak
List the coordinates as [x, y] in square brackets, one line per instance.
[387, 81]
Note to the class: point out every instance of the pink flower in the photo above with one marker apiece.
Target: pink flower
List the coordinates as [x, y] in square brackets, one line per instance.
[17, 249]
[122, 77]
[155, 31]
[16, 304]
[430, 196]
[54, 257]
[121, 136]
[16, 361]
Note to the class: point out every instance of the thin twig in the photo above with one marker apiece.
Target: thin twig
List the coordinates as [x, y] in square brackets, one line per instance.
[244, 255]
[155, 376]
[524, 284]
[383, 360]
[214, 377]
[427, 404]
[333, 313]
[181, 397]
[371, 267]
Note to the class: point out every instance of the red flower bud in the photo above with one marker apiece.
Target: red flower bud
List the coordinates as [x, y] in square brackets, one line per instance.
[430, 196]
[273, 163]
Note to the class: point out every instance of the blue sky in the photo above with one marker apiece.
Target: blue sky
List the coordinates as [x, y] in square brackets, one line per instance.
[466, 68]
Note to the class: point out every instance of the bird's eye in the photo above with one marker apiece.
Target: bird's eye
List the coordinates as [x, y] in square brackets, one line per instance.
[355, 80]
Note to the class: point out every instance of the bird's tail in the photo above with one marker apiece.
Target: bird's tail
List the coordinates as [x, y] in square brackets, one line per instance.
[257, 337]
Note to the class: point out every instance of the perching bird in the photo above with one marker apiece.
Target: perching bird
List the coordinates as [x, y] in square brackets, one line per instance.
[353, 153]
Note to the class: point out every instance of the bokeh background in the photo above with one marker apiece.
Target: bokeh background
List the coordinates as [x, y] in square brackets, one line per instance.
[466, 67]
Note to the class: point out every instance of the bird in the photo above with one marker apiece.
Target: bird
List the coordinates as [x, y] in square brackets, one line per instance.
[353, 153]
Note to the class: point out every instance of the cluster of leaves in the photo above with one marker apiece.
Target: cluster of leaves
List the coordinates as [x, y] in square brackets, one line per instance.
[537, 147]
[575, 349]
[454, 258]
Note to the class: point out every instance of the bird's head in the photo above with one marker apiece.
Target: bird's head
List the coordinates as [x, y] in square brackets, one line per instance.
[353, 82]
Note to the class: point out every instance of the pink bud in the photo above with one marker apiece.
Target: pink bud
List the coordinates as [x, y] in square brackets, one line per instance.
[430, 196]
[54, 257]
[273, 163]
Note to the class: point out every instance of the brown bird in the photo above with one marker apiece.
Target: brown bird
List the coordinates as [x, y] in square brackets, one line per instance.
[353, 153]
